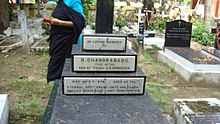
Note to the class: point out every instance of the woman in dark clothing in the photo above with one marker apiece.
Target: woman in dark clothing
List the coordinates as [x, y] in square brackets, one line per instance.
[66, 26]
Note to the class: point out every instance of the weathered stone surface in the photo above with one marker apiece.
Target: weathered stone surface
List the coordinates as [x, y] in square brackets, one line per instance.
[102, 83]
[104, 109]
[104, 16]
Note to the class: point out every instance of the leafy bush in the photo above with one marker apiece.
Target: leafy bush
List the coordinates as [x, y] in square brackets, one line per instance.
[120, 20]
[202, 35]
[158, 24]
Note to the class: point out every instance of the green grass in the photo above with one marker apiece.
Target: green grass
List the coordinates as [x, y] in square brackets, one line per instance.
[159, 95]
[28, 100]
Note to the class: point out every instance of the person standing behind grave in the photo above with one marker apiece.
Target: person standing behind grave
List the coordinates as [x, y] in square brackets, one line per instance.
[67, 24]
[150, 10]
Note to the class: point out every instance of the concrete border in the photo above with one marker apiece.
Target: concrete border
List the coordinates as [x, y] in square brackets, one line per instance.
[189, 71]
[181, 110]
[4, 109]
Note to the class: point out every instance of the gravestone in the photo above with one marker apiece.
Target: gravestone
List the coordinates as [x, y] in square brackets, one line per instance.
[205, 118]
[196, 111]
[104, 18]
[178, 34]
[89, 94]
[141, 27]
[100, 109]
[102, 72]
[104, 42]
[4, 109]
[103, 62]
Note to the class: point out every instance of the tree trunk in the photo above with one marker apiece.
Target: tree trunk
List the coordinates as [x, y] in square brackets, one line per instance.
[207, 14]
[4, 20]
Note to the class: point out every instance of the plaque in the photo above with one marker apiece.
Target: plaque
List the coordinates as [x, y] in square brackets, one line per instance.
[102, 83]
[178, 34]
[104, 42]
[205, 118]
[103, 62]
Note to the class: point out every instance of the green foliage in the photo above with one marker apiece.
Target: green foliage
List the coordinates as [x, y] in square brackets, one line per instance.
[158, 24]
[28, 100]
[202, 35]
[120, 20]
[170, 70]
[159, 96]
[46, 28]
[30, 109]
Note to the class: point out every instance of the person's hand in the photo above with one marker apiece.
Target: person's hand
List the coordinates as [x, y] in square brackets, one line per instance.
[55, 21]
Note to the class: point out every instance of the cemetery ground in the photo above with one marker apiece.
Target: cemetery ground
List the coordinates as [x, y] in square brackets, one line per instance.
[23, 78]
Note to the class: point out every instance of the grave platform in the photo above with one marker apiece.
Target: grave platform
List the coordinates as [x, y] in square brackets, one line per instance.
[100, 109]
[192, 65]
[197, 111]
[4, 109]
[102, 83]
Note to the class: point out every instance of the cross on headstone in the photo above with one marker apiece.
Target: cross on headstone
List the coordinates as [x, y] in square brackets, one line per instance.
[179, 23]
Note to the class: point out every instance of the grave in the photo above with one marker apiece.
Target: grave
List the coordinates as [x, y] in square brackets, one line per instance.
[87, 93]
[4, 109]
[197, 111]
[101, 83]
[100, 109]
[215, 53]
[29, 29]
[193, 66]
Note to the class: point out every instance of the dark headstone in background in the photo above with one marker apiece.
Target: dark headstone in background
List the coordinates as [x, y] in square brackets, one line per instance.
[178, 34]
[110, 109]
[141, 28]
[104, 16]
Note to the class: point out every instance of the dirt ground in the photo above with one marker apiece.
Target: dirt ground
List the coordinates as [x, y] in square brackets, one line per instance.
[163, 84]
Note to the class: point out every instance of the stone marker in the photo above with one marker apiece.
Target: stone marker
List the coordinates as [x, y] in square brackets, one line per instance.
[100, 109]
[4, 109]
[104, 16]
[104, 42]
[103, 62]
[197, 111]
[103, 83]
[178, 34]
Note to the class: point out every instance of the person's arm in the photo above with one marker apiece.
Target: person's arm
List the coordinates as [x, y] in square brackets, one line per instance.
[55, 21]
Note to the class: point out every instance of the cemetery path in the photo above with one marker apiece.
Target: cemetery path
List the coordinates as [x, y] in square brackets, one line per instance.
[23, 77]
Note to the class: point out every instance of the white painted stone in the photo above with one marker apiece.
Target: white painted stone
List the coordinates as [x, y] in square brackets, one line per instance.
[181, 111]
[103, 85]
[189, 71]
[4, 109]
[104, 63]
[154, 41]
[104, 43]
